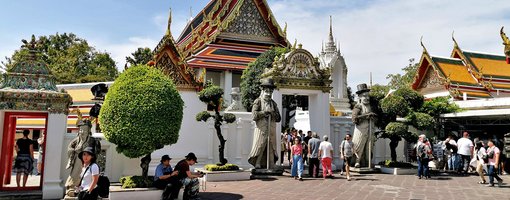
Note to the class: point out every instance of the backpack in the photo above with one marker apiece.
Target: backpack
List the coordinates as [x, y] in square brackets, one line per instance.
[103, 184]
[420, 151]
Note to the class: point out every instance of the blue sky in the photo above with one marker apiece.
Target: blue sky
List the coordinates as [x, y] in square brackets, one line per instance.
[377, 36]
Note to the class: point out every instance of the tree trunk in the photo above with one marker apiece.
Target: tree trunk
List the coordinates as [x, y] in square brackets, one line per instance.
[145, 161]
[217, 125]
[393, 149]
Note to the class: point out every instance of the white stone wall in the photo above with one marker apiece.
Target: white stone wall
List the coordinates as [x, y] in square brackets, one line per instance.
[340, 126]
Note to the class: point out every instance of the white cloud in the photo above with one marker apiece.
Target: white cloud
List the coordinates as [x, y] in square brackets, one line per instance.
[119, 51]
[381, 36]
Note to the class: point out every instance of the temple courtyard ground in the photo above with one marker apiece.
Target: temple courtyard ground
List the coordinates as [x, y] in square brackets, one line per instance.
[364, 186]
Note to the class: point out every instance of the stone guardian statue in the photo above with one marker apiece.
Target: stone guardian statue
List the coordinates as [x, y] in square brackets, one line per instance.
[76, 146]
[266, 115]
[364, 119]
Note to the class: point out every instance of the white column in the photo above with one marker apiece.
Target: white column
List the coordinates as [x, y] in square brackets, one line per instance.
[227, 87]
[277, 97]
[52, 184]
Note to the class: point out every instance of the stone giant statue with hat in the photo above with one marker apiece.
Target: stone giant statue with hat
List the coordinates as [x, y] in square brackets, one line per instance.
[363, 118]
[266, 115]
[77, 145]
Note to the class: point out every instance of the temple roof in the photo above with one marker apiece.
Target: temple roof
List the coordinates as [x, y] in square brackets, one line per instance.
[169, 58]
[247, 25]
[470, 73]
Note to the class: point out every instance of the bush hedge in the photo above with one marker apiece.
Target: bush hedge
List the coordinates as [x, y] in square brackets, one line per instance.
[136, 182]
[142, 112]
[219, 167]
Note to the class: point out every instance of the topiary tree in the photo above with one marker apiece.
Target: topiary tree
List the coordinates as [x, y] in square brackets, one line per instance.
[142, 112]
[212, 95]
[250, 80]
[405, 103]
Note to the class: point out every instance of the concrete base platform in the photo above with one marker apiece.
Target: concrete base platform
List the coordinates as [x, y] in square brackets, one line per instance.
[216, 176]
[364, 170]
[266, 173]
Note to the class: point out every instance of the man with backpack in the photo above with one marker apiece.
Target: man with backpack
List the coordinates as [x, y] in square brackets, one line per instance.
[423, 153]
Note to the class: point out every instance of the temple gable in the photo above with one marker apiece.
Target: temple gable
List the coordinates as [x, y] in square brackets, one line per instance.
[249, 24]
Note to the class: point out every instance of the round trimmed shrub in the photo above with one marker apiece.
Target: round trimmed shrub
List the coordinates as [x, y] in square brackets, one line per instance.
[142, 112]
[421, 121]
[414, 99]
[395, 106]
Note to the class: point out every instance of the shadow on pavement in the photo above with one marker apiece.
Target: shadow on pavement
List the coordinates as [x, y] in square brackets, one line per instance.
[220, 195]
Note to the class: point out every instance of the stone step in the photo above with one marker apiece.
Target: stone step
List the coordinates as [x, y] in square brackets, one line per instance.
[15, 195]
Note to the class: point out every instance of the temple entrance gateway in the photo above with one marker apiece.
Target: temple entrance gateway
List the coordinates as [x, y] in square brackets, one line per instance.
[28, 93]
[13, 128]
[298, 73]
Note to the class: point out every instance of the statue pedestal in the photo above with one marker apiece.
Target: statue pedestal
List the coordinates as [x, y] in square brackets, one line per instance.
[364, 170]
[266, 173]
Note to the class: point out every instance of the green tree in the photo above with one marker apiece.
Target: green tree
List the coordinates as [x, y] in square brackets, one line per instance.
[250, 80]
[70, 59]
[403, 103]
[140, 57]
[212, 95]
[142, 112]
[397, 81]
[436, 107]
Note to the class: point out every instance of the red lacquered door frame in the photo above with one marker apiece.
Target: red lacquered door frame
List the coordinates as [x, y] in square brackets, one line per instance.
[8, 148]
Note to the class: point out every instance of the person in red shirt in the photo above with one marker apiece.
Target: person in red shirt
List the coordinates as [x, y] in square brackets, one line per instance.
[297, 159]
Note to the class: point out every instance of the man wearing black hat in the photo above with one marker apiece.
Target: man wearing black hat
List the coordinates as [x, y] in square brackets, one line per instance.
[185, 178]
[266, 115]
[163, 173]
[363, 118]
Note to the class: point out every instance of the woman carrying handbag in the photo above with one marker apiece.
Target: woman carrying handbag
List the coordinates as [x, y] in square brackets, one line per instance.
[87, 190]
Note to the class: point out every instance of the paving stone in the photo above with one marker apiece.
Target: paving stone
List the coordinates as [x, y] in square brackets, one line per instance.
[367, 186]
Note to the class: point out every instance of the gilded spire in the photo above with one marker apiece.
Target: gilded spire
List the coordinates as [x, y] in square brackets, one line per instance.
[169, 22]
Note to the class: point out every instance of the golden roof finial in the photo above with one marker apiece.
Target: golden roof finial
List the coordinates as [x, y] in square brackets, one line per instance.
[454, 41]
[285, 29]
[169, 22]
[424, 49]
[295, 44]
[506, 41]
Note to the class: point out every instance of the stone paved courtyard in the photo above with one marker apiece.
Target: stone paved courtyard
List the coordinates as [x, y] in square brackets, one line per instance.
[371, 186]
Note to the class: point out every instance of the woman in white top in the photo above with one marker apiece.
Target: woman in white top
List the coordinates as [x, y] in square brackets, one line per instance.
[90, 175]
[480, 152]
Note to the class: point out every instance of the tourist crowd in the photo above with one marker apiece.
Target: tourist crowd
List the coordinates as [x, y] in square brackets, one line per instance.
[309, 149]
[482, 155]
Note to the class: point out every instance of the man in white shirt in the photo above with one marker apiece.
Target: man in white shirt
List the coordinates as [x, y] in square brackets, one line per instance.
[326, 153]
[465, 150]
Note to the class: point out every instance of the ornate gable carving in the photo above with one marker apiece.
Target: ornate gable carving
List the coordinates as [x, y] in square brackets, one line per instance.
[248, 24]
[431, 80]
[299, 70]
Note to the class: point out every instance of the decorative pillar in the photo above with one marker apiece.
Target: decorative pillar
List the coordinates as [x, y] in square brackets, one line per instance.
[53, 183]
[227, 83]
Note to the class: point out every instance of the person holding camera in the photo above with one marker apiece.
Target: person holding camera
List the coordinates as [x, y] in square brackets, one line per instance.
[493, 154]
[186, 178]
[86, 190]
